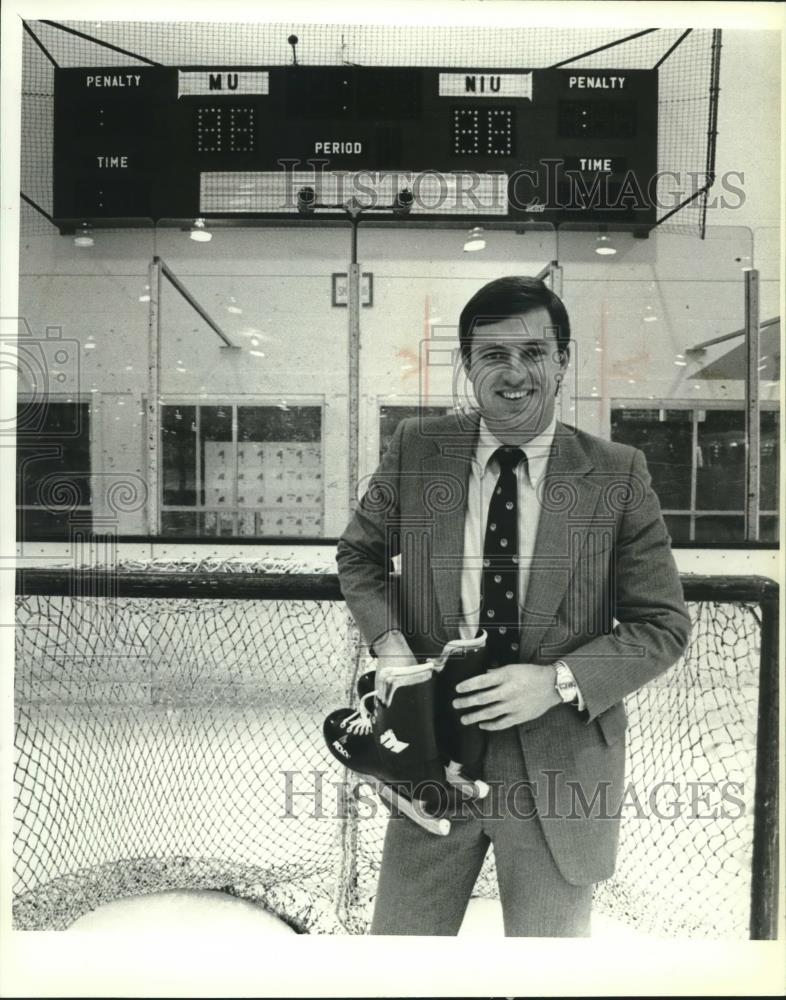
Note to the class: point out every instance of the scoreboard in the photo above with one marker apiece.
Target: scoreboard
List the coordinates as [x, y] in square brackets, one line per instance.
[553, 145]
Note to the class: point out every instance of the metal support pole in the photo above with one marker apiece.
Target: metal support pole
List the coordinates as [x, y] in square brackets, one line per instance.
[544, 274]
[764, 862]
[773, 321]
[180, 287]
[153, 415]
[355, 220]
[605, 415]
[353, 394]
[752, 407]
[555, 283]
[555, 277]
[700, 348]
[712, 129]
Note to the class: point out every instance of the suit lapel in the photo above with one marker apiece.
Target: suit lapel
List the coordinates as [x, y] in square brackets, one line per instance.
[568, 499]
[446, 471]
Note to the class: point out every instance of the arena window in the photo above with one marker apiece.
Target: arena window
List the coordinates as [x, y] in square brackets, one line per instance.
[696, 457]
[391, 416]
[53, 467]
[242, 470]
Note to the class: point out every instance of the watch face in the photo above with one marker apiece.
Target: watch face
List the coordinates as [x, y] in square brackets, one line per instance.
[565, 683]
[567, 690]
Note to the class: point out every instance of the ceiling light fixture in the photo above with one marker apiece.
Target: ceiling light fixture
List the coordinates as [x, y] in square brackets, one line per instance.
[84, 236]
[199, 233]
[475, 241]
[604, 246]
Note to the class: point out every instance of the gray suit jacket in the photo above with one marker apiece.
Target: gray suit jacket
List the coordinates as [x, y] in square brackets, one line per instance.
[604, 595]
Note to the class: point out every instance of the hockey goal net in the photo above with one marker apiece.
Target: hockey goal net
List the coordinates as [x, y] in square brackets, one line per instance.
[168, 736]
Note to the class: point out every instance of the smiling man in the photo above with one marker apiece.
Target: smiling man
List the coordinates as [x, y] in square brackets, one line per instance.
[551, 541]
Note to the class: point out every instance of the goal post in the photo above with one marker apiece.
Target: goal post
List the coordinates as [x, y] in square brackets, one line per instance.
[168, 735]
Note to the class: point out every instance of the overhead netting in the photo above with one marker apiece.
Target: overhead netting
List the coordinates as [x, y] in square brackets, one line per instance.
[687, 61]
[166, 739]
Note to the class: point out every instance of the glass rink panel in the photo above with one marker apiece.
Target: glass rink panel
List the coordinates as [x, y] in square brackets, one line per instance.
[664, 353]
[84, 302]
[222, 400]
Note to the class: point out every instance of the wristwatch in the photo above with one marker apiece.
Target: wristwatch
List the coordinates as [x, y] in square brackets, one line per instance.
[565, 685]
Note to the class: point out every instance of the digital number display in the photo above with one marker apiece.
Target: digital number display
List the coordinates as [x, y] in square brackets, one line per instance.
[482, 131]
[222, 129]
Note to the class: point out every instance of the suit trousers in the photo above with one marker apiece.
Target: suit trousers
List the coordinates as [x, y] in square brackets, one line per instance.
[426, 881]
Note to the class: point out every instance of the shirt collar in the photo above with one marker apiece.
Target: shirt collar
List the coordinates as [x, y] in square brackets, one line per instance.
[538, 450]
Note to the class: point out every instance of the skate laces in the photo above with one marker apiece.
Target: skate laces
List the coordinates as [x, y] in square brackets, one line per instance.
[360, 721]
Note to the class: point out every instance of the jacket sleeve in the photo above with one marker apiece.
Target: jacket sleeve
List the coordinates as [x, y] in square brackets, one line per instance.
[652, 625]
[367, 547]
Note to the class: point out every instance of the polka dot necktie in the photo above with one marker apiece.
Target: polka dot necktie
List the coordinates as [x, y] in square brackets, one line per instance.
[499, 608]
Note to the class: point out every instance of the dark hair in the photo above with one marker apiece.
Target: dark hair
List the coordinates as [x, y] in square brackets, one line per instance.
[511, 296]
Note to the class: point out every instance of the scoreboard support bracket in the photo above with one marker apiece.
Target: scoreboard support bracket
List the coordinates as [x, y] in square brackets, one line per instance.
[180, 287]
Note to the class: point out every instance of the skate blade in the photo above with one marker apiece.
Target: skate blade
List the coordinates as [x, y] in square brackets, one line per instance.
[470, 789]
[440, 827]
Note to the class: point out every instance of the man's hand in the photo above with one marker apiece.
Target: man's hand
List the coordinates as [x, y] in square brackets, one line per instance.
[508, 695]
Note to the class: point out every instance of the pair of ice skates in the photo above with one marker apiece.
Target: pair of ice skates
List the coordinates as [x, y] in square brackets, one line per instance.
[407, 740]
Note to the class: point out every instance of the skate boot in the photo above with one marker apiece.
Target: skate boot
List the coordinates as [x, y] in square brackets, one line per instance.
[403, 726]
[353, 721]
[462, 746]
[366, 683]
[345, 722]
[358, 720]
[390, 742]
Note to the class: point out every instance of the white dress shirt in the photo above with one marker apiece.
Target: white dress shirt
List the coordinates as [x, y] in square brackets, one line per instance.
[482, 481]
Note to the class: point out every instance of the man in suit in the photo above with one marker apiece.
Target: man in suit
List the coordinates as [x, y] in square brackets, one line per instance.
[507, 508]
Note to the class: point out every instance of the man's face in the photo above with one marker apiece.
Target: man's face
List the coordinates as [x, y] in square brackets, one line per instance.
[513, 367]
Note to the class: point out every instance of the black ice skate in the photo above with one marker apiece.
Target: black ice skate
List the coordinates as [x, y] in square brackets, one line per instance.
[461, 747]
[393, 746]
[421, 771]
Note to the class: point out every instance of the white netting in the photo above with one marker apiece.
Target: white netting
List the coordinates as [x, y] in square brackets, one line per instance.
[172, 742]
